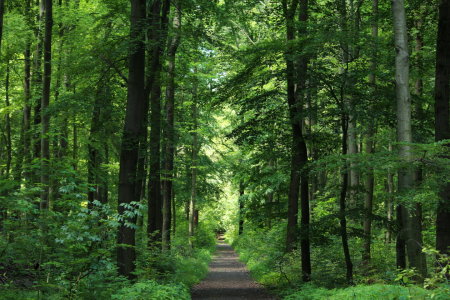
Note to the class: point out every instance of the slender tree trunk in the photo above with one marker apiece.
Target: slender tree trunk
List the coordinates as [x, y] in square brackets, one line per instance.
[27, 137]
[75, 143]
[342, 203]
[129, 153]
[389, 204]
[241, 208]
[301, 99]
[2, 12]
[369, 145]
[404, 135]
[442, 121]
[159, 27]
[294, 186]
[8, 124]
[37, 86]
[170, 127]
[45, 115]
[194, 166]
[96, 151]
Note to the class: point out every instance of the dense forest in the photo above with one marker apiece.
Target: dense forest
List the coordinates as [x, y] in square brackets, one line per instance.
[313, 134]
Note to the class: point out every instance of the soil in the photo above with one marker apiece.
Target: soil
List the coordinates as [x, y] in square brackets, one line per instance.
[229, 279]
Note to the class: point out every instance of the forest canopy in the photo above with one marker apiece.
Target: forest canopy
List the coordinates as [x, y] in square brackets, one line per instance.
[313, 135]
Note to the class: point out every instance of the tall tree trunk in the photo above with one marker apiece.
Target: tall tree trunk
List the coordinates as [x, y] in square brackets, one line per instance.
[129, 153]
[389, 203]
[404, 136]
[96, 156]
[293, 196]
[369, 145]
[241, 207]
[8, 124]
[37, 85]
[194, 165]
[342, 203]
[442, 121]
[45, 115]
[2, 12]
[170, 126]
[27, 137]
[301, 101]
[159, 27]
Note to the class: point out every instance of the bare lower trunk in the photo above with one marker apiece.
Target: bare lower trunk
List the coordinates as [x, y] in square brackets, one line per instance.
[45, 115]
[408, 232]
[129, 151]
[241, 208]
[159, 13]
[170, 128]
[442, 121]
[369, 145]
[342, 205]
[195, 149]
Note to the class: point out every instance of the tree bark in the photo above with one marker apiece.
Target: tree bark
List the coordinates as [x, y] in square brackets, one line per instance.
[159, 27]
[97, 178]
[369, 145]
[293, 196]
[134, 117]
[170, 126]
[342, 203]
[45, 100]
[2, 12]
[194, 163]
[8, 123]
[27, 137]
[37, 89]
[241, 208]
[442, 121]
[410, 235]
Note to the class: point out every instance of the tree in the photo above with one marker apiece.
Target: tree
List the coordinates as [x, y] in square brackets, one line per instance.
[126, 253]
[407, 235]
[169, 130]
[158, 18]
[45, 115]
[442, 121]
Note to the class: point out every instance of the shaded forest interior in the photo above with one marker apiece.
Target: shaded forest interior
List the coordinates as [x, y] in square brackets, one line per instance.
[314, 133]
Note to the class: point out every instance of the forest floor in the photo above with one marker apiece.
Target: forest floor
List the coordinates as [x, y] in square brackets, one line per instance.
[229, 279]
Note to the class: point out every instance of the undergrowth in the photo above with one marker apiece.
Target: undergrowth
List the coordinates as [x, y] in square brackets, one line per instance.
[263, 252]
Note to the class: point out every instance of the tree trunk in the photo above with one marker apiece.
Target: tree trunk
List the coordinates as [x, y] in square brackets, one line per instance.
[170, 127]
[369, 145]
[404, 135]
[159, 27]
[389, 204]
[96, 142]
[37, 90]
[241, 208]
[45, 100]
[8, 124]
[27, 137]
[342, 203]
[2, 12]
[442, 121]
[194, 166]
[134, 117]
[293, 197]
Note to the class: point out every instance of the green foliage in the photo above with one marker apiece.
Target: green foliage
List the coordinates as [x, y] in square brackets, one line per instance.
[373, 292]
[150, 289]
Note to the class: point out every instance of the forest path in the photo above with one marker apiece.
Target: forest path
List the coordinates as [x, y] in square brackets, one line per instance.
[228, 278]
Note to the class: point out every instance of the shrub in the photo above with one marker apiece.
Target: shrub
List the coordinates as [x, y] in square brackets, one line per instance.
[150, 289]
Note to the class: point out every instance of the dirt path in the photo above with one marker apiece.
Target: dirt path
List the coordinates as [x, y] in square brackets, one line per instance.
[228, 278]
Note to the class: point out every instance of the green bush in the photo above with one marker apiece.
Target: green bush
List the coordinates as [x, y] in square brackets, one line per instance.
[150, 289]
[366, 292]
